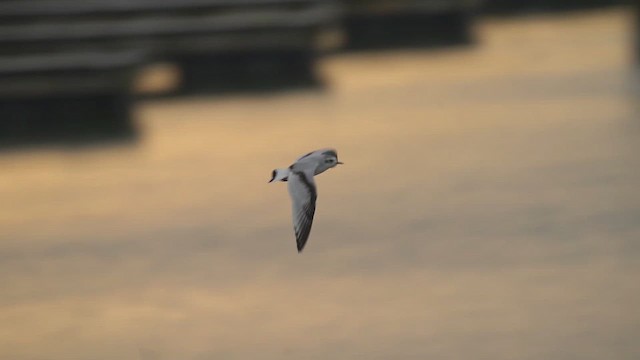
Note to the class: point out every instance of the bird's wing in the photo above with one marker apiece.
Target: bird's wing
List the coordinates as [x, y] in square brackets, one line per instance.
[302, 190]
[307, 155]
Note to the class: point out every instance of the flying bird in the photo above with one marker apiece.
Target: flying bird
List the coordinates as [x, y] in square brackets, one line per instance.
[302, 188]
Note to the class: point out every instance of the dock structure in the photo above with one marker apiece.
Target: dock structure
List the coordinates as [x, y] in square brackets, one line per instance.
[93, 48]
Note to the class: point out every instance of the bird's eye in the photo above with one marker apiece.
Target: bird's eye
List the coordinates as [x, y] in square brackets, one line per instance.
[328, 161]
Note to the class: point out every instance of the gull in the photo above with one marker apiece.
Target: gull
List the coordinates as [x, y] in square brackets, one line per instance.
[302, 188]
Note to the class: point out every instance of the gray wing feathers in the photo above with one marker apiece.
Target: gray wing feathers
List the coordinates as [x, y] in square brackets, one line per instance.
[303, 198]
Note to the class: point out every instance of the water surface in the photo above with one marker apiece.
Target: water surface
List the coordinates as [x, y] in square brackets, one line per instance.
[488, 209]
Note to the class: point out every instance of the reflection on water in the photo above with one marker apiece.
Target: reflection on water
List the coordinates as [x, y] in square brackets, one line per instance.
[488, 209]
[63, 119]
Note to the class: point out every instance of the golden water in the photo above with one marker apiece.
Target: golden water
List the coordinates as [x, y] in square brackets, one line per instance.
[488, 208]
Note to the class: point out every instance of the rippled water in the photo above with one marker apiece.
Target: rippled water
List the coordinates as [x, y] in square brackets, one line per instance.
[488, 209]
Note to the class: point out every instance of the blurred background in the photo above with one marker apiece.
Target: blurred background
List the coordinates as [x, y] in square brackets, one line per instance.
[488, 207]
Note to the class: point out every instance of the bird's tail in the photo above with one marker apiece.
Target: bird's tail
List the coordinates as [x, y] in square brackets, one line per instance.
[279, 175]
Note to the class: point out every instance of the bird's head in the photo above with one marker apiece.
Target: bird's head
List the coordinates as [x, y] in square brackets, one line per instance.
[331, 161]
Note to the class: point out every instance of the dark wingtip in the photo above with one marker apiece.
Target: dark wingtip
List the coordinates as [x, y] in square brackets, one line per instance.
[273, 175]
[299, 244]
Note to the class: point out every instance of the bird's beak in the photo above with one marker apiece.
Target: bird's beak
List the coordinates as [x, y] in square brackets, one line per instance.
[340, 163]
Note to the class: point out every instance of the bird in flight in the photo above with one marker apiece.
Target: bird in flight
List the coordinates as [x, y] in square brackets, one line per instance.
[302, 188]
